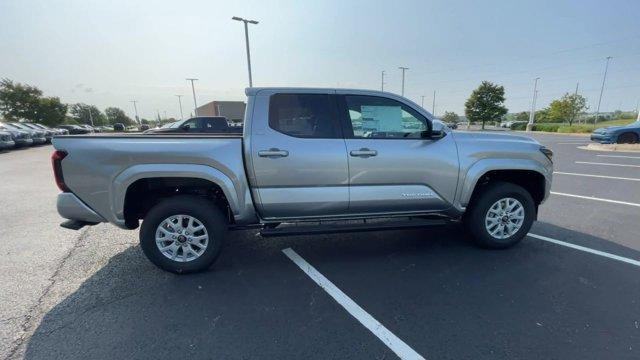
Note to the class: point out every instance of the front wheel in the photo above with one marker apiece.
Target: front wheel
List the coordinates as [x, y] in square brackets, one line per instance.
[628, 138]
[501, 215]
[183, 234]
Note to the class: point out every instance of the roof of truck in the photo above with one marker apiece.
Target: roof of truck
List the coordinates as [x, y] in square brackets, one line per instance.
[254, 90]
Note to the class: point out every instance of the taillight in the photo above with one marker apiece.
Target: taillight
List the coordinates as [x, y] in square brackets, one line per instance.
[56, 162]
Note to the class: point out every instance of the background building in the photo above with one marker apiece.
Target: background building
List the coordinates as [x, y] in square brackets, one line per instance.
[232, 110]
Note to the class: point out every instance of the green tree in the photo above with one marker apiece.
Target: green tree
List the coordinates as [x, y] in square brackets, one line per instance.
[84, 114]
[522, 116]
[51, 111]
[450, 117]
[19, 101]
[486, 103]
[542, 115]
[567, 108]
[116, 115]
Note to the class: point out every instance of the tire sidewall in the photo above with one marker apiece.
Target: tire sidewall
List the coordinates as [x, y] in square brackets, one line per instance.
[493, 193]
[200, 209]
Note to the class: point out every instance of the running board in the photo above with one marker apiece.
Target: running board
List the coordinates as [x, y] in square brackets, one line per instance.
[333, 228]
[76, 224]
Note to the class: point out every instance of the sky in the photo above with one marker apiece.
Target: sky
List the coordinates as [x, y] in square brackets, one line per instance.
[108, 53]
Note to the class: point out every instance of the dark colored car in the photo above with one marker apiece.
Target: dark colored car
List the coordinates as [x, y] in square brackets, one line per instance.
[198, 125]
[38, 136]
[19, 137]
[75, 129]
[118, 127]
[89, 128]
[48, 132]
[6, 140]
[628, 134]
[57, 131]
[144, 127]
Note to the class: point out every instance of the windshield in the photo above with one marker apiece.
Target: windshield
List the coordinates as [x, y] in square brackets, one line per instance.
[169, 125]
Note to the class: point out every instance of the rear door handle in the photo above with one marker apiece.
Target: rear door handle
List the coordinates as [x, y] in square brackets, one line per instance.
[363, 153]
[273, 153]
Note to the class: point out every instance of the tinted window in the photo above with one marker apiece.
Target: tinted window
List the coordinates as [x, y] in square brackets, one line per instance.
[379, 117]
[302, 115]
[214, 124]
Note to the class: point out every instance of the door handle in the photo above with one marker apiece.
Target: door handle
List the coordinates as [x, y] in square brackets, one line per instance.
[273, 153]
[363, 153]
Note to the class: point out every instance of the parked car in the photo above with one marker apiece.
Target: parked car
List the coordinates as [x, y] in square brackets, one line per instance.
[307, 156]
[118, 127]
[57, 131]
[198, 125]
[628, 134]
[75, 129]
[19, 137]
[38, 136]
[89, 128]
[6, 140]
[144, 127]
[48, 132]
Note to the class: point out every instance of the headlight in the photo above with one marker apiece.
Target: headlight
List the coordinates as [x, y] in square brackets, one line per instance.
[547, 152]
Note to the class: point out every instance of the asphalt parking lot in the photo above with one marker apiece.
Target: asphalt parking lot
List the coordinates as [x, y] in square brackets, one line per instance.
[570, 290]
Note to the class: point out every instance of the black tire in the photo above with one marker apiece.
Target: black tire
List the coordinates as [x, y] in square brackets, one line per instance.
[627, 138]
[489, 195]
[204, 211]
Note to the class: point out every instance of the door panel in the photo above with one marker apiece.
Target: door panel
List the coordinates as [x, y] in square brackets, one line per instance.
[392, 166]
[297, 174]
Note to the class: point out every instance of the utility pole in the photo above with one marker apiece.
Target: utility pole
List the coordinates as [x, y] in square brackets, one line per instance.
[532, 114]
[604, 78]
[403, 70]
[434, 103]
[193, 90]
[382, 82]
[135, 107]
[422, 103]
[90, 115]
[638, 110]
[180, 103]
[246, 37]
[575, 98]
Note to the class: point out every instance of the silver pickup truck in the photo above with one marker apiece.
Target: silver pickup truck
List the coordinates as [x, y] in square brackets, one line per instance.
[309, 161]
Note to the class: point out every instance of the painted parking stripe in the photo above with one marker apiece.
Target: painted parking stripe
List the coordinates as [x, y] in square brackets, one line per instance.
[586, 249]
[606, 164]
[596, 199]
[572, 143]
[620, 156]
[596, 176]
[387, 337]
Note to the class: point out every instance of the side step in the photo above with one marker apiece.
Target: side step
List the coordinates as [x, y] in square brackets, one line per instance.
[333, 227]
[76, 224]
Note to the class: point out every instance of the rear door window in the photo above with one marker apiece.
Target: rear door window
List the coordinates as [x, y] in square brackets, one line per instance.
[303, 115]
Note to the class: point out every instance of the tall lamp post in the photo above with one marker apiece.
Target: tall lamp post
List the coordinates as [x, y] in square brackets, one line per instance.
[193, 90]
[604, 78]
[382, 81]
[135, 107]
[246, 37]
[180, 103]
[403, 70]
[532, 114]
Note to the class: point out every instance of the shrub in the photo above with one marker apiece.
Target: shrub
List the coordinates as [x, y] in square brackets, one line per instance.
[546, 127]
[519, 126]
[575, 129]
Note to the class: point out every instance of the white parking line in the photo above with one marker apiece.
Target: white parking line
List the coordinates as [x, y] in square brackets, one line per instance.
[606, 164]
[387, 337]
[596, 176]
[620, 156]
[572, 143]
[596, 199]
[586, 249]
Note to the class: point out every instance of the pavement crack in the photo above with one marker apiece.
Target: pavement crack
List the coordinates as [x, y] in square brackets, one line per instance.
[31, 315]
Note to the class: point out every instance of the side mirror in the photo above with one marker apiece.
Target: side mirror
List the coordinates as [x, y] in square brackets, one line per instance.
[185, 127]
[437, 130]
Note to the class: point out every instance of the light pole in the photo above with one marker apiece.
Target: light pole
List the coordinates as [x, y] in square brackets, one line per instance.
[403, 70]
[434, 103]
[180, 103]
[532, 114]
[422, 102]
[382, 82]
[246, 37]
[135, 107]
[604, 78]
[90, 115]
[193, 90]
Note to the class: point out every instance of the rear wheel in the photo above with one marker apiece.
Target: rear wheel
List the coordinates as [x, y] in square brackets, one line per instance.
[627, 138]
[501, 215]
[183, 234]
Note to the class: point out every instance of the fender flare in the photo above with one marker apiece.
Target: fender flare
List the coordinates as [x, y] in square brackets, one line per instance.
[121, 183]
[481, 167]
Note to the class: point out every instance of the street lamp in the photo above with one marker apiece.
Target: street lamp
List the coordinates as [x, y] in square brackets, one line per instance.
[403, 70]
[193, 90]
[604, 78]
[532, 114]
[246, 37]
[180, 103]
[135, 107]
